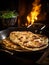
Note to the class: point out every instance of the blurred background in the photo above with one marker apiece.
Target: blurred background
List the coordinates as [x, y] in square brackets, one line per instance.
[24, 7]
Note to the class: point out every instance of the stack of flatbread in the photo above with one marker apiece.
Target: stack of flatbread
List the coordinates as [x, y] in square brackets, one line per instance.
[26, 40]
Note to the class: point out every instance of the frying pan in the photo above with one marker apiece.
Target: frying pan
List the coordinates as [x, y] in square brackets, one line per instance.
[34, 55]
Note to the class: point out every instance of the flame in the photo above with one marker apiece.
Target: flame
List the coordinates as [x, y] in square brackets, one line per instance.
[32, 16]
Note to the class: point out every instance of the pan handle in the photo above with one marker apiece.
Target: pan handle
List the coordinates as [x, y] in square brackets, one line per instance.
[45, 54]
[9, 52]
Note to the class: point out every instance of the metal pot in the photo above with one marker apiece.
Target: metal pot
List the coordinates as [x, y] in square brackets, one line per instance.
[8, 22]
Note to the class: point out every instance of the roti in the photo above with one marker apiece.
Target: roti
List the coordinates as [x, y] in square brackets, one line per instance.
[29, 40]
[11, 46]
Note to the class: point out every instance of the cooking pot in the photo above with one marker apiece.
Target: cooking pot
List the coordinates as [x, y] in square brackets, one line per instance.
[34, 55]
[8, 19]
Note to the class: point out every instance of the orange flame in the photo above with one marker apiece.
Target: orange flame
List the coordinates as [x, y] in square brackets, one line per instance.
[32, 16]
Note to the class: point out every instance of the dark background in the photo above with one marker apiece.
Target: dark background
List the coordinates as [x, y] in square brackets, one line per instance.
[23, 7]
[14, 4]
[8, 4]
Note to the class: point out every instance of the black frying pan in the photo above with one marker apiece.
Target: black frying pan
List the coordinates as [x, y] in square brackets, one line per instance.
[31, 54]
[5, 33]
